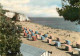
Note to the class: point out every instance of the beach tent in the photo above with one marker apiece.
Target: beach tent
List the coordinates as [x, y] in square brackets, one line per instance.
[28, 50]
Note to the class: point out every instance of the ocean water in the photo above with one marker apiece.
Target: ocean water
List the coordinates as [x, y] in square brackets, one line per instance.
[58, 23]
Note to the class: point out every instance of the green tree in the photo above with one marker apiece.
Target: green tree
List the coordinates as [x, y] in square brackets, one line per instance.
[70, 10]
[9, 36]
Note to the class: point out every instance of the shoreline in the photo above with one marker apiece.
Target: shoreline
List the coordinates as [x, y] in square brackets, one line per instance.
[54, 28]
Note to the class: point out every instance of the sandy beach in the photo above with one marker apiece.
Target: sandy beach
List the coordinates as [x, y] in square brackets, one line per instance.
[56, 33]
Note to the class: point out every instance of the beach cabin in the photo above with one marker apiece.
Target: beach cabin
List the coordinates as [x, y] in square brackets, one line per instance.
[17, 16]
[28, 50]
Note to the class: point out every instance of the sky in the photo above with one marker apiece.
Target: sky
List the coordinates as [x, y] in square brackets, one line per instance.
[33, 8]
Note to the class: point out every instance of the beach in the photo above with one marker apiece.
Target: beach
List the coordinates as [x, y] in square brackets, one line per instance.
[56, 33]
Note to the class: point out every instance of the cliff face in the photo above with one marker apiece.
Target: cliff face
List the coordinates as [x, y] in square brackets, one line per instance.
[9, 14]
[16, 16]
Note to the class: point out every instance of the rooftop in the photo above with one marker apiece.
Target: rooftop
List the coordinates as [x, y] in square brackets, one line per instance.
[28, 50]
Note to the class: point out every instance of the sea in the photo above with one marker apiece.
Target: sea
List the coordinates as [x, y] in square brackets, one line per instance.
[57, 23]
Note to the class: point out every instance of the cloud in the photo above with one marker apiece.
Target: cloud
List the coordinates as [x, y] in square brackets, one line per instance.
[13, 2]
[44, 11]
[45, 2]
[34, 8]
[16, 6]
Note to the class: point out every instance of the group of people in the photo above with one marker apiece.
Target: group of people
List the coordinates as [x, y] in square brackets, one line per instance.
[35, 35]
